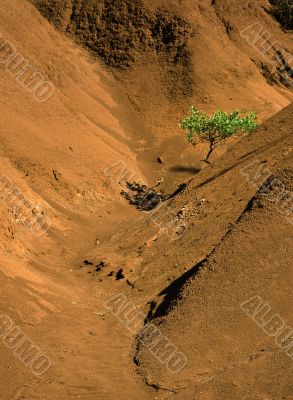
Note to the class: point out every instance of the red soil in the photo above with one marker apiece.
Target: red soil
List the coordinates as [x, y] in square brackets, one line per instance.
[113, 112]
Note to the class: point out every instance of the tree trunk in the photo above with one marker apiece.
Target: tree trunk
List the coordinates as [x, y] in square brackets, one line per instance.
[209, 153]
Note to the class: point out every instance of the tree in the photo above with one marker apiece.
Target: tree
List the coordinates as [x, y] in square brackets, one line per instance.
[216, 128]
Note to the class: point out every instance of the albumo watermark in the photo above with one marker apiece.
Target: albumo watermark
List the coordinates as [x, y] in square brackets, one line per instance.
[272, 50]
[270, 187]
[166, 219]
[22, 346]
[32, 80]
[22, 209]
[270, 322]
[149, 335]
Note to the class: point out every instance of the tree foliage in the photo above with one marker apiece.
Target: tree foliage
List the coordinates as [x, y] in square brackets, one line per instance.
[216, 128]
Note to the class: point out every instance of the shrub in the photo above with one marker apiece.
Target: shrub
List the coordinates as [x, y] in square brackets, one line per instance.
[216, 128]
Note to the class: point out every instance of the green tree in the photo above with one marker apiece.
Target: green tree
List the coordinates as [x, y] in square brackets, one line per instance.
[216, 128]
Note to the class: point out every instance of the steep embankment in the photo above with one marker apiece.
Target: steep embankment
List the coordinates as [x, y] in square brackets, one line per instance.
[229, 354]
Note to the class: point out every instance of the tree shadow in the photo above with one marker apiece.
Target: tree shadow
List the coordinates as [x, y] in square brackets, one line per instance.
[179, 168]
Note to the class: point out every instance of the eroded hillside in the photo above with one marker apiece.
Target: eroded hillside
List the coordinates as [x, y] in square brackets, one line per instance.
[213, 54]
[94, 103]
